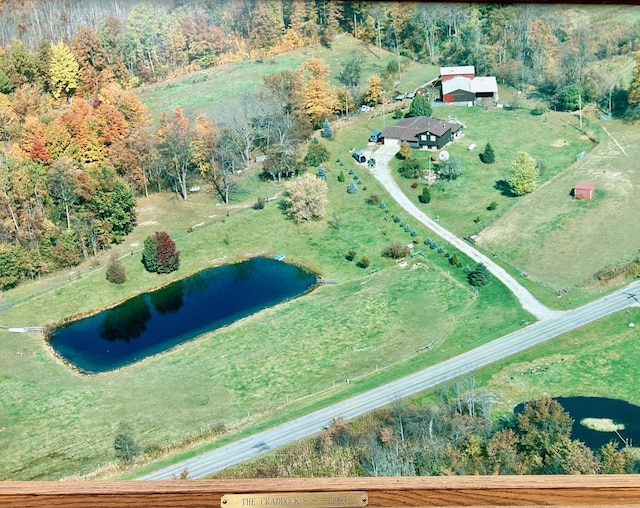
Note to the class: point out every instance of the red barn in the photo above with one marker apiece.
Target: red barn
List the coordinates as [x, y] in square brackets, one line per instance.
[460, 71]
[584, 190]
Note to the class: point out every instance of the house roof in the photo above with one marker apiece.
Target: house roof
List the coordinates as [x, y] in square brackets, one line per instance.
[408, 129]
[480, 84]
[460, 69]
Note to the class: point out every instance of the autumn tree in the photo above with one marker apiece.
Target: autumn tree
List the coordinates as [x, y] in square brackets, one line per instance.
[306, 198]
[159, 254]
[93, 61]
[525, 174]
[318, 96]
[63, 71]
[62, 185]
[373, 92]
[634, 86]
[116, 272]
[405, 150]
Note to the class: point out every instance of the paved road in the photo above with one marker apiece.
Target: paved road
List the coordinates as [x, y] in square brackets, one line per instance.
[383, 155]
[552, 324]
[305, 426]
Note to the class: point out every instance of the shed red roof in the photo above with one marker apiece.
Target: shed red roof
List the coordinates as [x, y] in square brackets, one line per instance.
[584, 185]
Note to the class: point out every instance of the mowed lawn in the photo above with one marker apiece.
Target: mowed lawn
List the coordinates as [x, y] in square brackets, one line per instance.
[367, 328]
[599, 360]
[560, 242]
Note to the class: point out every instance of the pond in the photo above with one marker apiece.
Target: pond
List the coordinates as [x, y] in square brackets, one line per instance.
[154, 322]
[598, 420]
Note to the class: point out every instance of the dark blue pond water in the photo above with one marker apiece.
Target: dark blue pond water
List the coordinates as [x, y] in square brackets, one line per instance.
[154, 322]
[620, 412]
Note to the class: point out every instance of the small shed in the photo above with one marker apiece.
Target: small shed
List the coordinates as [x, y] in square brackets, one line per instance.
[584, 190]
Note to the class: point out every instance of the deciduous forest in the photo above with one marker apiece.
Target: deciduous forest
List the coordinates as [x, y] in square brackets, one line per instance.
[78, 146]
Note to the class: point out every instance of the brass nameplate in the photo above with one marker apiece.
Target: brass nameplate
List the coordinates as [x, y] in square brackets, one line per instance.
[306, 499]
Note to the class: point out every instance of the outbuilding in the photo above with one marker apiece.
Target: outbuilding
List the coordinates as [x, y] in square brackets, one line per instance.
[584, 190]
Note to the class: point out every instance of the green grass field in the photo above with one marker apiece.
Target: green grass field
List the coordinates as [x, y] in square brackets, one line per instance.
[275, 363]
[208, 92]
[283, 361]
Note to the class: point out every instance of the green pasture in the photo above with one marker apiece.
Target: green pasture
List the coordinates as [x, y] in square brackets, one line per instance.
[277, 363]
[211, 91]
[560, 242]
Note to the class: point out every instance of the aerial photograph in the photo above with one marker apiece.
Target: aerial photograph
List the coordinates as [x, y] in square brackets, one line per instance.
[248, 239]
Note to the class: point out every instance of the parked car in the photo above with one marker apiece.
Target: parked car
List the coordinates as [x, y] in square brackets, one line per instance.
[411, 95]
[359, 156]
[401, 97]
[375, 136]
[364, 108]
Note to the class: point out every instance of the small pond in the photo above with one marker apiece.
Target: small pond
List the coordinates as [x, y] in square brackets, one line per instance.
[598, 420]
[154, 322]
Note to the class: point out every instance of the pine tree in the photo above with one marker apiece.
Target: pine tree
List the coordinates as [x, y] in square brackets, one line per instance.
[425, 197]
[352, 189]
[326, 129]
[480, 276]
[488, 156]
[420, 106]
[321, 173]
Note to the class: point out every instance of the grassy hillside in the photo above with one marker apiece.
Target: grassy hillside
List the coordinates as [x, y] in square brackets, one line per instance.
[208, 92]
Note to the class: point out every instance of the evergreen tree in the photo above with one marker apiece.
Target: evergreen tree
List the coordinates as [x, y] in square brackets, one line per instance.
[326, 131]
[425, 197]
[352, 189]
[150, 254]
[480, 276]
[115, 270]
[321, 173]
[341, 176]
[420, 106]
[488, 156]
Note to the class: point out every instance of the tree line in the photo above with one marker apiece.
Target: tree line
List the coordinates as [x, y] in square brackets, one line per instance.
[78, 146]
[454, 435]
[550, 47]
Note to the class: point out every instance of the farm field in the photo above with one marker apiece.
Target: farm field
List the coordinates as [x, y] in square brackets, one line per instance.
[560, 242]
[280, 361]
